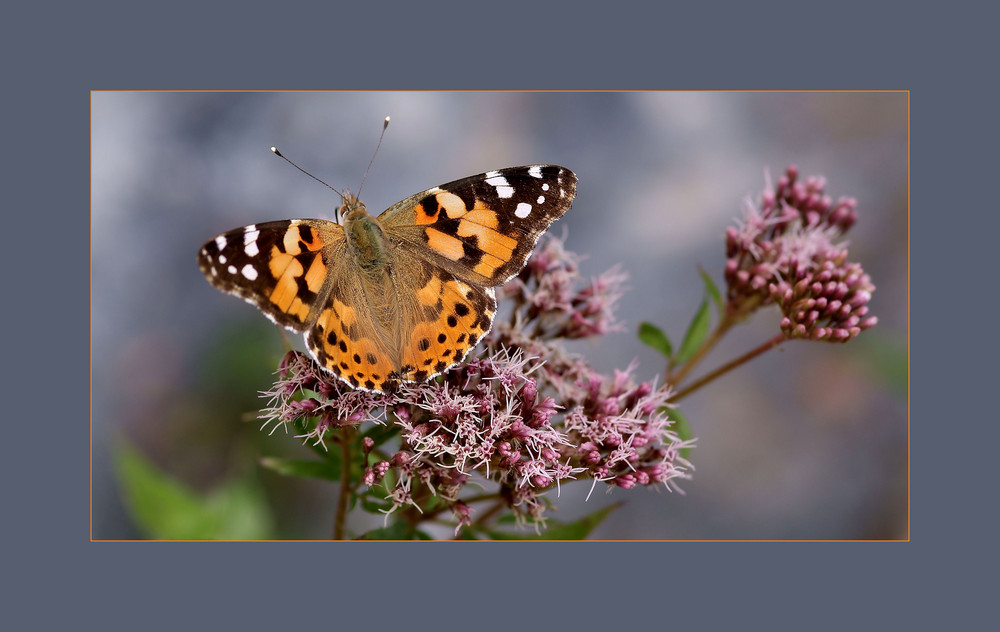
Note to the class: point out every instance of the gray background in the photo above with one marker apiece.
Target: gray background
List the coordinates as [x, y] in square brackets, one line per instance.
[808, 442]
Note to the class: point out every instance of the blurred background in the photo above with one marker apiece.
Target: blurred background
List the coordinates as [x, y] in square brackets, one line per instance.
[808, 441]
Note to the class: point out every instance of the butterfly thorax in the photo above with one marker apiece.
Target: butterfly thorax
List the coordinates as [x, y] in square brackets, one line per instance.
[365, 237]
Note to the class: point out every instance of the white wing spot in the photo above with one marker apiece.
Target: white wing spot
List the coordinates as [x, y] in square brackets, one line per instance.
[250, 236]
[492, 174]
[249, 229]
[535, 172]
[232, 269]
[541, 199]
[504, 190]
[220, 241]
[249, 272]
[251, 249]
[545, 187]
[522, 210]
[222, 258]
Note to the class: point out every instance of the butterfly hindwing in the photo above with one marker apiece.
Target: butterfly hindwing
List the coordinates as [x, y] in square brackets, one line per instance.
[350, 337]
[445, 320]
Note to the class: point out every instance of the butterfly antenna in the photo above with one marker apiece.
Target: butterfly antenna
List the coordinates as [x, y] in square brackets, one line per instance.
[385, 124]
[282, 156]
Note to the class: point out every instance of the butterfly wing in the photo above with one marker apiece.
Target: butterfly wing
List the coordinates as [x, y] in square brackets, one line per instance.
[281, 267]
[461, 239]
[482, 228]
[441, 318]
[408, 326]
[351, 337]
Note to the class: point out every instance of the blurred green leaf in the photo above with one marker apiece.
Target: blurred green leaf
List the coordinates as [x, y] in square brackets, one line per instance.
[713, 291]
[398, 530]
[653, 336]
[329, 453]
[164, 509]
[681, 427]
[242, 356]
[374, 505]
[576, 530]
[381, 434]
[696, 332]
[888, 359]
[304, 468]
[241, 512]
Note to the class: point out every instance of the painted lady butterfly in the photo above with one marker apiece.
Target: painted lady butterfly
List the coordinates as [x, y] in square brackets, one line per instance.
[402, 296]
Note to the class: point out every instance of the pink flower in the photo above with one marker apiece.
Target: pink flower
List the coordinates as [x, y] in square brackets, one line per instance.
[786, 252]
[520, 413]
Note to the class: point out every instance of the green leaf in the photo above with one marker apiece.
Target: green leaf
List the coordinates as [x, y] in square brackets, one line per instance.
[304, 468]
[329, 453]
[713, 290]
[653, 336]
[165, 509]
[681, 427]
[380, 434]
[398, 530]
[374, 505]
[576, 530]
[241, 512]
[887, 360]
[696, 333]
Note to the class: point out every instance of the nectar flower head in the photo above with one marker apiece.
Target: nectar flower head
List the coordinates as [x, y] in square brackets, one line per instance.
[786, 252]
[520, 413]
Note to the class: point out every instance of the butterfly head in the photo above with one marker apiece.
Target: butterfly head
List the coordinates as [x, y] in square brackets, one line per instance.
[351, 206]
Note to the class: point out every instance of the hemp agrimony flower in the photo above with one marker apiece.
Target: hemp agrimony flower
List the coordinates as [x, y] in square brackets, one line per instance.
[786, 252]
[519, 418]
[502, 432]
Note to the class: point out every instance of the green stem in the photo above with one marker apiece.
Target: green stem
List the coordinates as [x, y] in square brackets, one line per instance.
[487, 515]
[729, 366]
[702, 351]
[346, 437]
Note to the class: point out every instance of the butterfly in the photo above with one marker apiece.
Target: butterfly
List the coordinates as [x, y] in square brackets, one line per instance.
[402, 296]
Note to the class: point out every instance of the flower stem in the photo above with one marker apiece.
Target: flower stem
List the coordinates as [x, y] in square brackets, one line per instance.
[487, 515]
[702, 351]
[346, 436]
[725, 368]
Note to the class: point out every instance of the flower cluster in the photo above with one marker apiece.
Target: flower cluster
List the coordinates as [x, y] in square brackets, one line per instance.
[786, 253]
[520, 412]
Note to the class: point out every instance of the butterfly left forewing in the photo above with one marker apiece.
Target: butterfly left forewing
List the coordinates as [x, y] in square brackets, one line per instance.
[280, 267]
